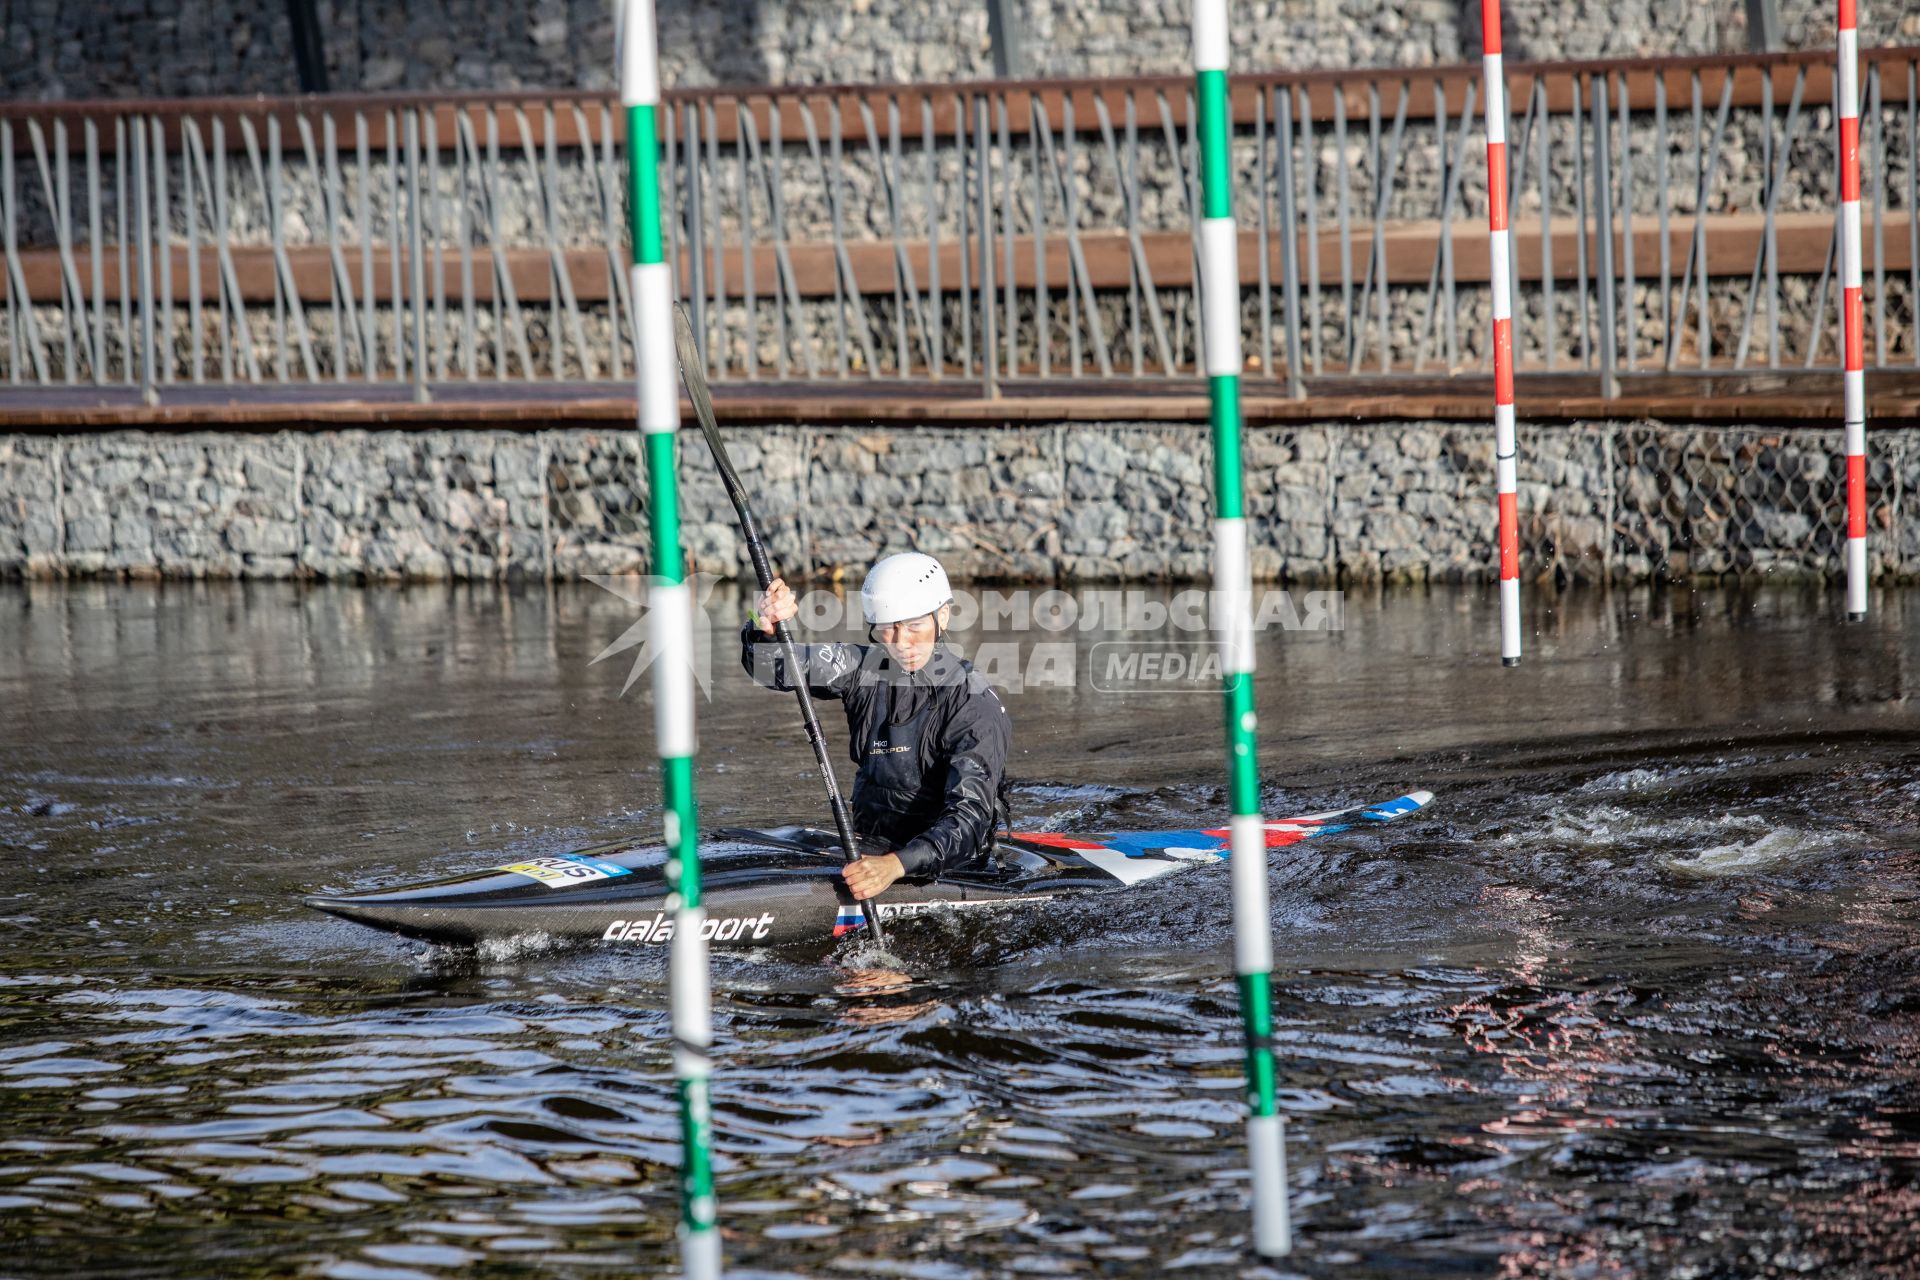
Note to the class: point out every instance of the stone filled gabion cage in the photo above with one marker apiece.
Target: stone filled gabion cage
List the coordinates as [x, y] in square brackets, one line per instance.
[1600, 502]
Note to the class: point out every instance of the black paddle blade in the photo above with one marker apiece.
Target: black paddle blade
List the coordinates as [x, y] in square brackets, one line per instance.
[696, 383]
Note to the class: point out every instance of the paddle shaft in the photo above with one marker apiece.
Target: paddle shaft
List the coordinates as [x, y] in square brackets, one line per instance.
[763, 570]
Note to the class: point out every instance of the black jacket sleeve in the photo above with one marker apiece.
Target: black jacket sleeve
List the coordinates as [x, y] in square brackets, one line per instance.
[829, 668]
[976, 741]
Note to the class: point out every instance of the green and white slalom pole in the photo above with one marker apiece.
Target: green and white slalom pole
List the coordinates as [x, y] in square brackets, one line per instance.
[671, 624]
[1233, 619]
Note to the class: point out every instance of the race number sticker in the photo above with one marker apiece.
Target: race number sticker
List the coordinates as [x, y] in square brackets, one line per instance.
[566, 869]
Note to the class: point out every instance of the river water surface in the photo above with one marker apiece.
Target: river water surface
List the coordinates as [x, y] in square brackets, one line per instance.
[1638, 995]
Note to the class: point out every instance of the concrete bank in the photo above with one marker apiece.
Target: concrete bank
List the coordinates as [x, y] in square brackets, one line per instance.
[1395, 502]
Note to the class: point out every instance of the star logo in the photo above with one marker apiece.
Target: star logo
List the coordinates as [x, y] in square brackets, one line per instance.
[642, 591]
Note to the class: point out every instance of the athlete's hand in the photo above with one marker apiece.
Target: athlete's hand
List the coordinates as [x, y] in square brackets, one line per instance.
[776, 605]
[870, 877]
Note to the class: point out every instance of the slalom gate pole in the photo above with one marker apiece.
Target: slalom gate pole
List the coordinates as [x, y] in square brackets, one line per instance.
[1233, 618]
[671, 622]
[1854, 336]
[1505, 448]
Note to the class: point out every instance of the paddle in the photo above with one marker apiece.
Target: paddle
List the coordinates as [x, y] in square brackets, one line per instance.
[690, 372]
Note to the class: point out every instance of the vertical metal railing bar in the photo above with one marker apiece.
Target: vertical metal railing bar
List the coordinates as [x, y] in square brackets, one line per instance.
[1705, 316]
[886, 167]
[288, 310]
[1383, 173]
[1062, 168]
[76, 306]
[1282, 103]
[267, 179]
[1385, 181]
[962, 122]
[1913, 205]
[1008, 176]
[1440, 117]
[604, 175]
[846, 285]
[368, 333]
[1550, 325]
[1604, 278]
[1343, 210]
[1449, 311]
[1310, 165]
[1579, 121]
[196, 362]
[123, 243]
[1660, 146]
[545, 169]
[1440, 282]
[436, 233]
[19, 302]
[989, 339]
[324, 163]
[233, 318]
[1042, 293]
[1189, 177]
[59, 206]
[766, 171]
[1770, 243]
[1129, 206]
[95, 256]
[143, 244]
[465, 162]
[1877, 168]
[1080, 294]
[396, 239]
[749, 286]
[163, 250]
[1776, 157]
[1263, 168]
[776, 189]
[1706, 158]
[504, 294]
[696, 232]
[936, 309]
[416, 258]
[1142, 296]
[1356, 317]
[1630, 327]
[717, 358]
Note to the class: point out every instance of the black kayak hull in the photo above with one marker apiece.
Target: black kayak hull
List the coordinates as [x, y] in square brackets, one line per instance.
[755, 895]
[782, 886]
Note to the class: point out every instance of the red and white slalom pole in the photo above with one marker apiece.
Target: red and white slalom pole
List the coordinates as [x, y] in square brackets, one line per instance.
[1855, 336]
[1501, 274]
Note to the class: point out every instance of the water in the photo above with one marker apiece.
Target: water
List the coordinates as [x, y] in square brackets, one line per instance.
[1640, 995]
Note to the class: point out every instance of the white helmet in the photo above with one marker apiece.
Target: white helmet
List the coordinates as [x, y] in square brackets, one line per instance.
[908, 585]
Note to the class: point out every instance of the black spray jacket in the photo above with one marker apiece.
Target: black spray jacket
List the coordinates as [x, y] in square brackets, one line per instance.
[931, 745]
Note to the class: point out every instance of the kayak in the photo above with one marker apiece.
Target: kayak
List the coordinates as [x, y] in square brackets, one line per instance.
[782, 885]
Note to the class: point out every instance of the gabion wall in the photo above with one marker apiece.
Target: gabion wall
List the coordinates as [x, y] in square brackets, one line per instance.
[1103, 502]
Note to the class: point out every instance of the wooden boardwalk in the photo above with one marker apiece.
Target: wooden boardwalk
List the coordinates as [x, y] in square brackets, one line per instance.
[1716, 399]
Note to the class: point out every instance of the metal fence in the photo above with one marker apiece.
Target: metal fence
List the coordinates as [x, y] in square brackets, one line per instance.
[1673, 215]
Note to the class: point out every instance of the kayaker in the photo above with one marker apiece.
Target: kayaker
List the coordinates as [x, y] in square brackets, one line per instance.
[929, 735]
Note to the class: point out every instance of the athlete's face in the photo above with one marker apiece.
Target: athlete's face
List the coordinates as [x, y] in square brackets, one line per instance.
[910, 643]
